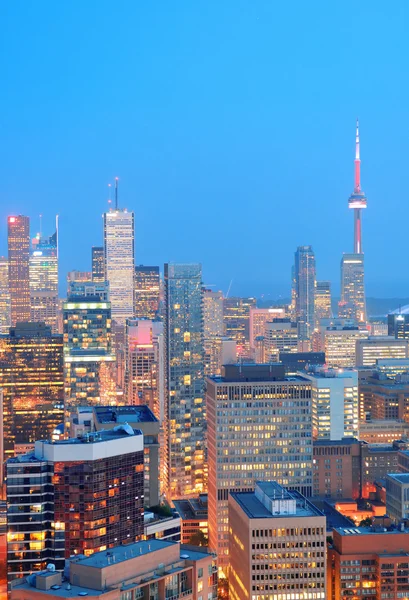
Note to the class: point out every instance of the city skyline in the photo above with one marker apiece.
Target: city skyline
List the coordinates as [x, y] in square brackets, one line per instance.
[279, 132]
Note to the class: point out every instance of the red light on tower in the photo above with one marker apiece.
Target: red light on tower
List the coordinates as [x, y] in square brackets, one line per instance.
[12, 219]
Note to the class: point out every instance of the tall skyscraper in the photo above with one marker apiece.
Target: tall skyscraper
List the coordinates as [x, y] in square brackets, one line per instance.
[184, 358]
[32, 381]
[277, 545]
[259, 428]
[44, 280]
[305, 278]
[323, 300]
[352, 303]
[87, 347]
[398, 325]
[98, 264]
[86, 495]
[5, 308]
[258, 319]
[236, 314]
[213, 329]
[19, 267]
[147, 292]
[119, 250]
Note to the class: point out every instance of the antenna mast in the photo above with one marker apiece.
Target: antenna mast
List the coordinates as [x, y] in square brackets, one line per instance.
[116, 193]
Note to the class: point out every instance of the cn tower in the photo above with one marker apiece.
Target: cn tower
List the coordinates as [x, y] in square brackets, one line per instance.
[357, 200]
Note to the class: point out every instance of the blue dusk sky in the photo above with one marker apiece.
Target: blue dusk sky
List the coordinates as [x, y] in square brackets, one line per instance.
[230, 124]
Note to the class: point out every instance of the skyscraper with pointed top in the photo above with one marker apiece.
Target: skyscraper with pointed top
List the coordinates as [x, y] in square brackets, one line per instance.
[352, 304]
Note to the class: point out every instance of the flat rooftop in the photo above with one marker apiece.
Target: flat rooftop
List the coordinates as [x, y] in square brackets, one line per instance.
[255, 509]
[121, 414]
[255, 373]
[350, 531]
[122, 431]
[343, 442]
[400, 477]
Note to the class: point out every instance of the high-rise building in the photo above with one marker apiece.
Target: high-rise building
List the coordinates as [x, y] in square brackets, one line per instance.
[340, 345]
[334, 396]
[88, 497]
[153, 569]
[323, 308]
[337, 468]
[144, 365]
[397, 495]
[32, 381]
[92, 419]
[373, 560]
[377, 460]
[352, 304]
[184, 360]
[147, 292]
[213, 326]
[87, 347]
[86, 289]
[236, 315]
[384, 398]
[44, 280]
[305, 279]
[259, 428]
[258, 319]
[294, 362]
[374, 348]
[277, 545]
[98, 264]
[398, 325]
[119, 250]
[19, 269]
[79, 276]
[279, 336]
[5, 307]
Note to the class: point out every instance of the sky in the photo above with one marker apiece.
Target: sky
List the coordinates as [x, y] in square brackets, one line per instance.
[230, 124]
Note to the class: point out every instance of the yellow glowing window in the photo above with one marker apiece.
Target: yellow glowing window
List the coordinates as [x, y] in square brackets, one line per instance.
[186, 336]
[186, 354]
[186, 379]
[177, 330]
[176, 306]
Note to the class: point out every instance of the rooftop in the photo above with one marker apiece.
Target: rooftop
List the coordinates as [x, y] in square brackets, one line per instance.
[122, 414]
[119, 432]
[350, 531]
[243, 373]
[400, 477]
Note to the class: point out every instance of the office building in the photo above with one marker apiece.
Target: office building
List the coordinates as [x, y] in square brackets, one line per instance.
[194, 519]
[392, 367]
[368, 562]
[144, 366]
[90, 420]
[98, 264]
[280, 335]
[372, 349]
[305, 280]
[352, 304]
[377, 460]
[5, 306]
[384, 398]
[379, 327]
[340, 345]
[44, 280]
[19, 268]
[258, 319]
[236, 315]
[337, 468]
[398, 325]
[147, 292]
[334, 395]
[79, 276]
[323, 308]
[383, 431]
[259, 427]
[154, 570]
[88, 497]
[218, 352]
[87, 346]
[32, 381]
[397, 496]
[87, 289]
[184, 360]
[119, 250]
[300, 361]
[277, 545]
[213, 329]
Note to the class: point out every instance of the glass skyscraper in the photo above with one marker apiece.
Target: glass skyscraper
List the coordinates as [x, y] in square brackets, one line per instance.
[304, 270]
[98, 264]
[352, 304]
[5, 314]
[147, 291]
[44, 280]
[19, 273]
[184, 379]
[119, 242]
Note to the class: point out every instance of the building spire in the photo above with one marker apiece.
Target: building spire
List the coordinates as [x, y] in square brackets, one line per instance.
[357, 161]
[116, 193]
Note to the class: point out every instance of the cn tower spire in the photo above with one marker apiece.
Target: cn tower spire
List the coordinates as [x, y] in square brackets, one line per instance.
[357, 161]
[357, 200]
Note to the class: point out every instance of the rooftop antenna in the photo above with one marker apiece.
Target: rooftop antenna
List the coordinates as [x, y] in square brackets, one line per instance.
[41, 226]
[57, 233]
[109, 194]
[116, 193]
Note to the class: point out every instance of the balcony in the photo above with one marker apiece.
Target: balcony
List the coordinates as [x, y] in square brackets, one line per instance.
[186, 594]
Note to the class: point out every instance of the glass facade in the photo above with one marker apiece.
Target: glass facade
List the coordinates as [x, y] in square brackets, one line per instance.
[323, 308]
[31, 378]
[44, 280]
[98, 264]
[236, 314]
[147, 292]
[19, 270]
[184, 358]
[5, 307]
[352, 304]
[305, 280]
